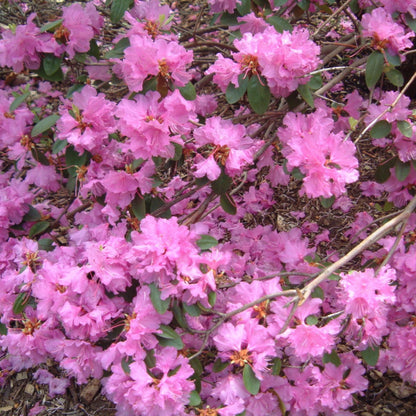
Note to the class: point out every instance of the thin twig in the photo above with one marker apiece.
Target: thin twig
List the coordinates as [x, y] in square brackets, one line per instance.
[333, 15]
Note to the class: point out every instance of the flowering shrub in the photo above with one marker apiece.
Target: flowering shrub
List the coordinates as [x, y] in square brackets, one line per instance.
[139, 178]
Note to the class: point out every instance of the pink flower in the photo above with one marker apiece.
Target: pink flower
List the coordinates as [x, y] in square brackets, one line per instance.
[45, 177]
[78, 27]
[90, 121]
[23, 47]
[386, 33]
[402, 6]
[218, 6]
[324, 157]
[167, 60]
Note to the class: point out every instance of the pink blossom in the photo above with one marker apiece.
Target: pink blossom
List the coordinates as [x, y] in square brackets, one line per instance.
[402, 6]
[78, 27]
[167, 60]
[225, 71]
[386, 33]
[23, 46]
[45, 177]
[218, 6]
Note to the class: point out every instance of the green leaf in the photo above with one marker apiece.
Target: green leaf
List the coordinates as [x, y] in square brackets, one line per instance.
[160, 305]
[39, 156]
[179, 315]
[51, 26]
[94, 49]
[191, 310]
[381, 129]
[125, 365]
[58, 146]
[395, 77]
[212, 298]
[393, 59]
[118, 8]
[3, 329]
[57, 76]
[150, 359]
[228, 204]
[280, 24]
[306, 93]
[138, 206]
[383, 171]
[20, 303]
[194, 399]
[32, 215]
[258, 94]
[405, 128]
[156, 203]
[206, 242]
[219, 365]
[402, 170]
[244, 7]
[229, 19]
[251, 382]
[118, 50]
[318, 293]
[222, 184]
[311, 320]
[80, 57]
[169, 338]
[370, 355]
[178, 151]
[332, 358]
[315, 82]
[277, 366]
[46, 244]
[51, 63]
[74, 88]
[234, 94]
[38, 228]
[18, 100]
[374, 69]
[327, 202]
[44, 125]
[410, 21]
[188, 91]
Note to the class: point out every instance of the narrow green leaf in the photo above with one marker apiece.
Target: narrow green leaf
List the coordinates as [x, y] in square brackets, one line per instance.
[234, 94]
[197, 367]
[51, 26]
[156, 203]
[51, 63]
[318, 293]
[410, 21]
[44, 125]
[306, 94]
[370, 355]
[178, 151]
[402, 170]
[40, 156]
[244, 7]
[58, 146]
[206, 242]
[138, 206]
[57, 76]
[38, 228]
[94, 49]
[118, 8]
[381, 129]
[374, 69]
[169, 338]
[280, 24]
[194, 399]
[20, 303]
[277, 366]
[125, 365]
[160, 305]
[405, 128]
[251, 382]
[228, 204]
[18, 100]
[212, 298]
[393, 59]
[333, 358]
[3, 329]
[258, 94]
[179, 315]
[188, 91]
[150, 359]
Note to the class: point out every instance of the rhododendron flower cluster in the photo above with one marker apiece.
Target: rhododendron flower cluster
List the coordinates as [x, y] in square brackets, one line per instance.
[324, 157]
[283, 59]
[161, 235]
